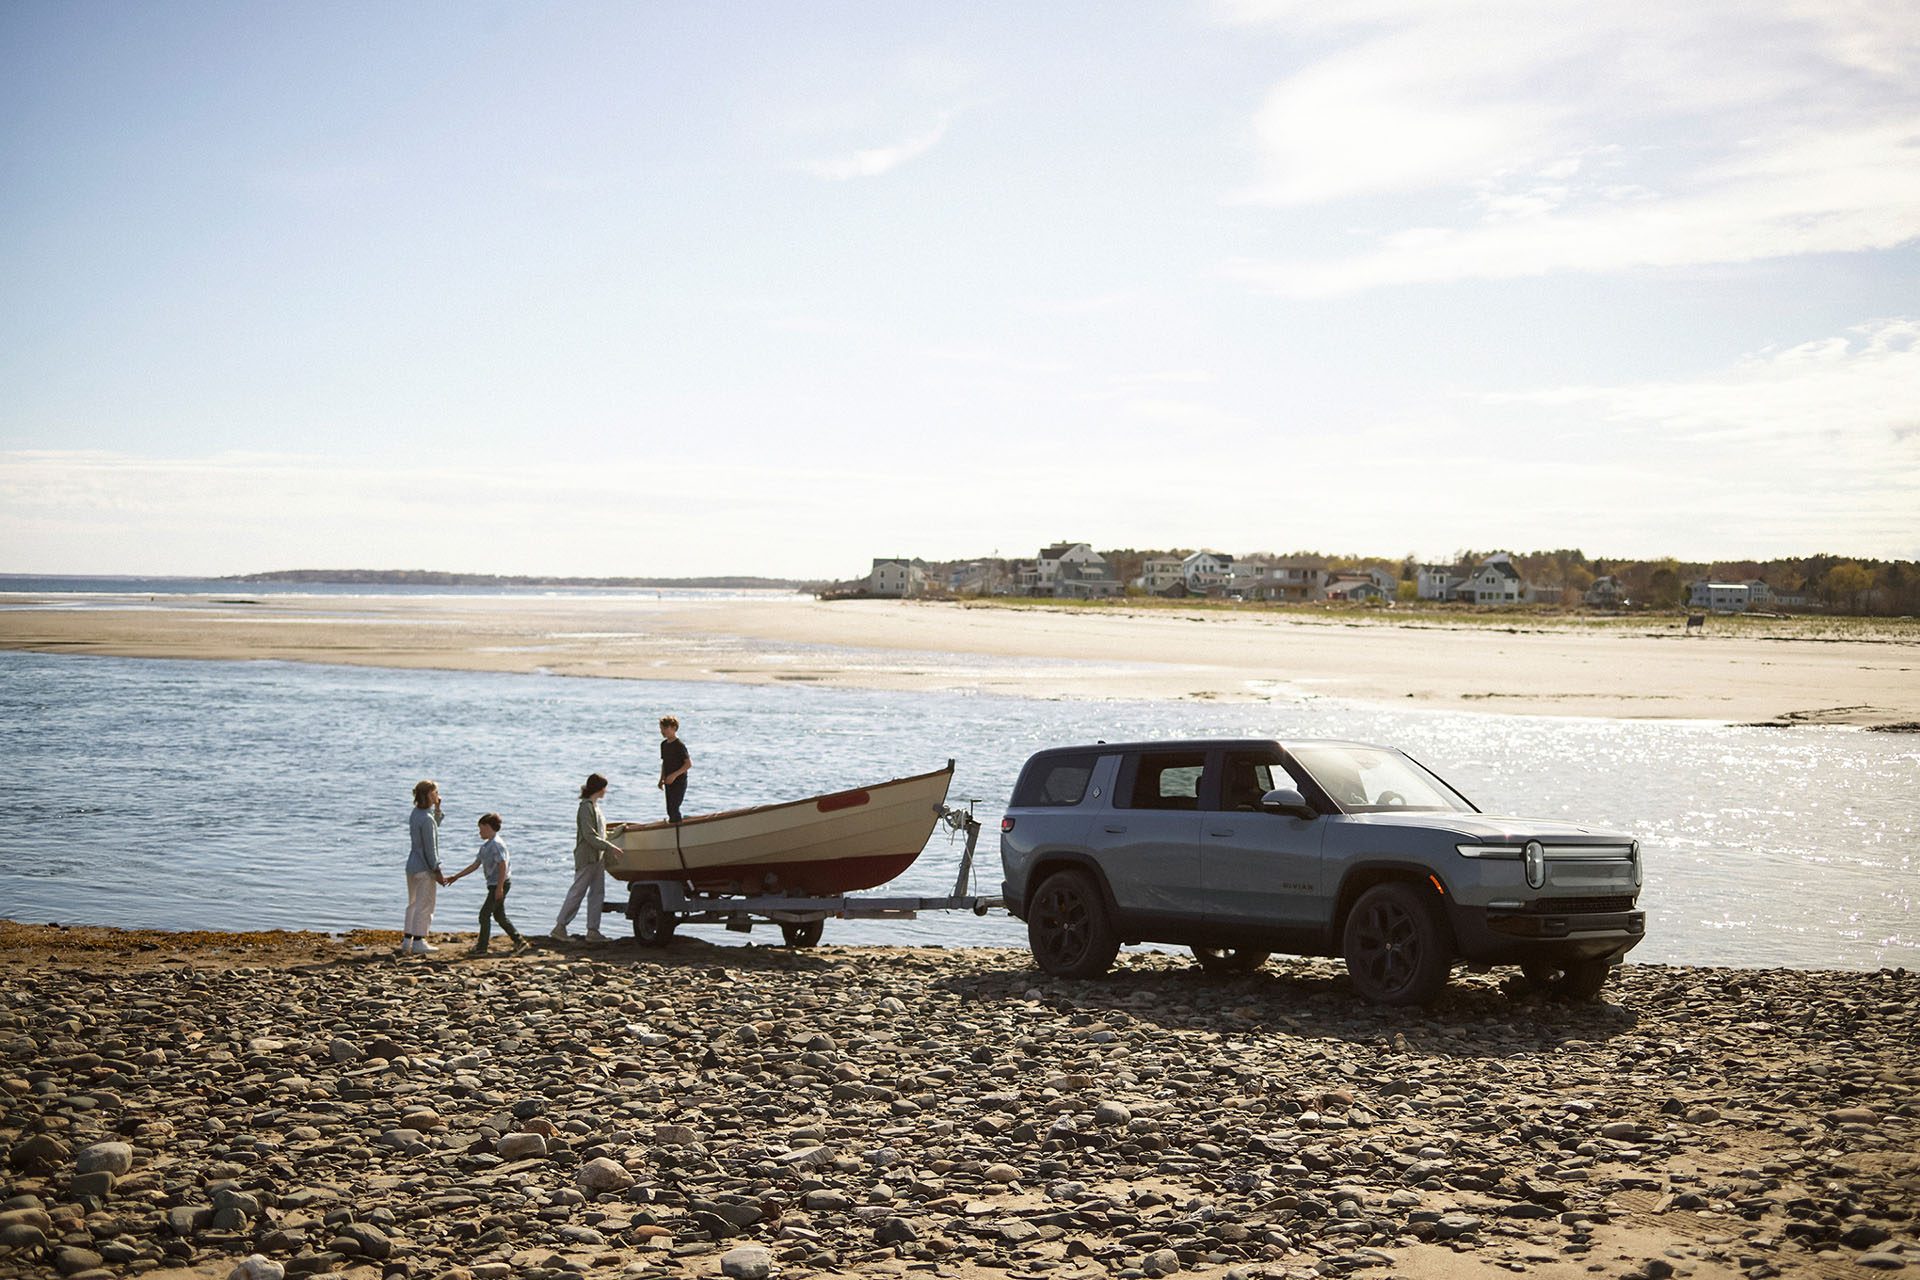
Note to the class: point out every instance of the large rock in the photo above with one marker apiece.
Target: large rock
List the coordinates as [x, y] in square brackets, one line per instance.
[602, 1174]
[256, 1267]
[111, 1157]
[747, 1262]
[42, 1153]
[520, 1146]
[362, 1238]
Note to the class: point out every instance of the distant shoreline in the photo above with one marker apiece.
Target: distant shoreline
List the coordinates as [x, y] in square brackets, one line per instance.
[438, 578]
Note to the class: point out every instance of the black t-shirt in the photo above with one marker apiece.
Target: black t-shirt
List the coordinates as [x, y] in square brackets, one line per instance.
[673, 754]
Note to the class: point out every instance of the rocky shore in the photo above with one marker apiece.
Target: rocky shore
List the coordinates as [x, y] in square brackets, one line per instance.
[317, 1105]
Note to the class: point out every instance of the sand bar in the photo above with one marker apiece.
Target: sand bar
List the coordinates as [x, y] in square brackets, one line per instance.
[1658, 671]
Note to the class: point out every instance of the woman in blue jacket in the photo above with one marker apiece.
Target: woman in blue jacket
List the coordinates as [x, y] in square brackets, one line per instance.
[424, 876]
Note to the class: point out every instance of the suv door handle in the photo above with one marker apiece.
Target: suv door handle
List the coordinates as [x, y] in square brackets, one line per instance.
[1219, 831]
[1115, 831]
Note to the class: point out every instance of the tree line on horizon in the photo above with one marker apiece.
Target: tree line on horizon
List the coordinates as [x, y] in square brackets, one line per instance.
[1836, 583]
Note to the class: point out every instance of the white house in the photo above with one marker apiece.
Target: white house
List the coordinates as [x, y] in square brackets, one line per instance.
[1206, 571]
[1721, 597]
[1494, 581]
[896, 576]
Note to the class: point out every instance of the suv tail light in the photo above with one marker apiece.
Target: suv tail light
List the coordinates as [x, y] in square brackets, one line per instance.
[1006, 824]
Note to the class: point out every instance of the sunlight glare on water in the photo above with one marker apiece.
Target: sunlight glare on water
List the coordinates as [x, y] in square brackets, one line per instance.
[232, 795]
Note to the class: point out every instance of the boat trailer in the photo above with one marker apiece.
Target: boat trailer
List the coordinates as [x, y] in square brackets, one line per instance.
[658, 907]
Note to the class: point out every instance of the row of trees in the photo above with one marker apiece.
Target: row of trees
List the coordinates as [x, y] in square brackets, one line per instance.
[1834, 583]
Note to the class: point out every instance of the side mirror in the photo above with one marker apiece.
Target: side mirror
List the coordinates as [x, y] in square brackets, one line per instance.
[1286, 800]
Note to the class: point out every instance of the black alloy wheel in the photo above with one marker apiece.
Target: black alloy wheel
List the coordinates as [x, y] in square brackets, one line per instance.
[1568, 979]
[1396, 948]
[1230, 959]
[805, 934]
[1067, 927]
[652, 922]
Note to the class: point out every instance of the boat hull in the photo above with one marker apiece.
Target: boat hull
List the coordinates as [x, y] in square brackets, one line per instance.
[823, 845]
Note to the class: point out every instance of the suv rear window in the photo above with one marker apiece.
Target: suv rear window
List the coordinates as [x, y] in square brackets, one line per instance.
[1055, 781]
[1168, 780]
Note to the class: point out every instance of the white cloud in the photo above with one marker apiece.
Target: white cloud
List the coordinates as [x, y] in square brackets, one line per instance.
[1528, 138]
[871, 162]
[1811, 446]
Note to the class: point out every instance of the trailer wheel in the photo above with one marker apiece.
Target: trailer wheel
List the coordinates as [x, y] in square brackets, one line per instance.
[805, 934]
[652, 922]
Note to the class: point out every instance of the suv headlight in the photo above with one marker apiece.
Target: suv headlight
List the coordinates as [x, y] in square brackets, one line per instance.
[1536, 858]
[1639, 871]
[1507, 851]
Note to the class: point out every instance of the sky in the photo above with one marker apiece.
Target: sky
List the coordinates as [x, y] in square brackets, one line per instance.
[690, 288]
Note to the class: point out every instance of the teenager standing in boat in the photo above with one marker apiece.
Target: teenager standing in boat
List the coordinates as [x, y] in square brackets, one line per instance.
[675, 762]
[590, 848]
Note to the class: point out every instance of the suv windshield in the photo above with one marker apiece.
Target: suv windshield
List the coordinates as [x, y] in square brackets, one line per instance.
[1369, 780]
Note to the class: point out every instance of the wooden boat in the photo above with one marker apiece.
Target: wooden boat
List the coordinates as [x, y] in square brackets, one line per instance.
[820, 846]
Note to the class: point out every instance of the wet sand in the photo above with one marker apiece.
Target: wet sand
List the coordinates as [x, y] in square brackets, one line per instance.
[1655, 670]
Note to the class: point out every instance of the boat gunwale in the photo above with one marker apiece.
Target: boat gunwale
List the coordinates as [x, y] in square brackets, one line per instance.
[667, 824]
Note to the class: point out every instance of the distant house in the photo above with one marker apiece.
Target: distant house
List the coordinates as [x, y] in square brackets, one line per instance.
[1493, 581]
[1606, 593]
[1071, 570]
[896, 576]
[1160, 574]
[1279, 580]
[1722, 597]
[977, 578]
[1358, 587]
[1205, 572]
[1438, 581]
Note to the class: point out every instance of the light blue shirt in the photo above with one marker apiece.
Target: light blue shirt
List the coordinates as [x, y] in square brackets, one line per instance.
[423, 835]
[493, 860]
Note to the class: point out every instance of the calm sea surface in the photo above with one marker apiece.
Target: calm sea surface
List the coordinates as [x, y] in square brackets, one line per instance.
[232, 795]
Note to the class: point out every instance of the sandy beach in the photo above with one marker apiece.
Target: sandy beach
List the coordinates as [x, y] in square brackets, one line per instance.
[177, 1102]
[1654, 670]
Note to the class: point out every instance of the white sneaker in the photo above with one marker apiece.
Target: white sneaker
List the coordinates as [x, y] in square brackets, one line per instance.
[559, 933]
[406, 947]
[421, 947]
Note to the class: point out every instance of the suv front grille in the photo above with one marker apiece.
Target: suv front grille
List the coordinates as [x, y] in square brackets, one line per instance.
[1582, 906]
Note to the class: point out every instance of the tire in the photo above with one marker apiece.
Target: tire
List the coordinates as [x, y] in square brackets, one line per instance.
[1229, 959]
[652, 923]
[1067, 927]
[1396, 947]
[1568, 979]
[805, 934]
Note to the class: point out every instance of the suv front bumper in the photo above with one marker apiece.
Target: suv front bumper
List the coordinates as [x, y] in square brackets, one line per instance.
[1501, 936]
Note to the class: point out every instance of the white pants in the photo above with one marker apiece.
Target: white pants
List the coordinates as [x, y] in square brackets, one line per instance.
[422, 888]
[589, 882]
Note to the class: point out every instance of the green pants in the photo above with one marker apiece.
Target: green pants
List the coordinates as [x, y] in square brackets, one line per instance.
[494, 907]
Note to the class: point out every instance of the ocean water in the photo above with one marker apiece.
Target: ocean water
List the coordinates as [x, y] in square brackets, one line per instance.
[231, 795]
[105, 592]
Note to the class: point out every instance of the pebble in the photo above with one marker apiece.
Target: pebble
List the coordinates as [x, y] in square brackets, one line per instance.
[581, 1116]
[747, 1262]
[257, 1267]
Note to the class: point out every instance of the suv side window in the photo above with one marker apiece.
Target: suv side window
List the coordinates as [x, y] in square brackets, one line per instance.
[1056, 781]
[1248, 775]
[1167, 780]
